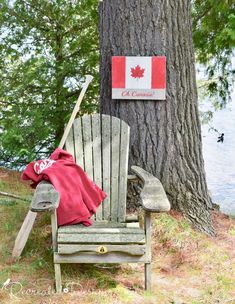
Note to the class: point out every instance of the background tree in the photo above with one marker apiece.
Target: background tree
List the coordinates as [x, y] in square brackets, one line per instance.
[166, 135]
[46, 49]
[214, 40]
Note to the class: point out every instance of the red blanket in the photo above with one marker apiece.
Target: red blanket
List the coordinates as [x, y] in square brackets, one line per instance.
[79, 195]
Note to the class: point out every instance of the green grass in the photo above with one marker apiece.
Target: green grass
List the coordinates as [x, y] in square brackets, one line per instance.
[188, 267]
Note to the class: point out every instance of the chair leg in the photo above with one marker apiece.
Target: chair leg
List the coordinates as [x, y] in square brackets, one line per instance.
[147, 272]
[58, 284]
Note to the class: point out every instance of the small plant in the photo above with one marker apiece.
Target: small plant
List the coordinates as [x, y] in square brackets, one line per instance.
[7, 202]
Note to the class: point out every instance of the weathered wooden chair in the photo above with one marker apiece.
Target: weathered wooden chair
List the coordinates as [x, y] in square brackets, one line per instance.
[99, 144]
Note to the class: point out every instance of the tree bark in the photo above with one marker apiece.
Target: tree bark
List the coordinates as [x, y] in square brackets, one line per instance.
[165, 135]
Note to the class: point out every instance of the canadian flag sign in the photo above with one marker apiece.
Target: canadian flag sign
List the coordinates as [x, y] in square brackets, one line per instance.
[139, 77]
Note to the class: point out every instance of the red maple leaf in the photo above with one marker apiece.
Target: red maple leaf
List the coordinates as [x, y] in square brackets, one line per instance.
[137, 72]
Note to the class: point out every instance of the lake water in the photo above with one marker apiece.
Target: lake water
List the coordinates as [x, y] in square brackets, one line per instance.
[220, 158]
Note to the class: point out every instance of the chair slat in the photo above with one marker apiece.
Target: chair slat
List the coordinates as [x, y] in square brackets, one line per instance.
[101, 144]
[78, 142]
[115, 167]
[131, 249]
[103, 238]
[93, 230]
[97, 161]
[106, 155]
[124, 153]
[87, 144]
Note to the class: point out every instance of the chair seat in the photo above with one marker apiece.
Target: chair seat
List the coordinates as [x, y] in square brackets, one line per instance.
[79, 234]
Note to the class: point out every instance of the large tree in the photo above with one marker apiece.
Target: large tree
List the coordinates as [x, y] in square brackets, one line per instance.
[165, 135]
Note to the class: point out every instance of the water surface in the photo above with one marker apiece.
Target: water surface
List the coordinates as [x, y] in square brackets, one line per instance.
[220, 158]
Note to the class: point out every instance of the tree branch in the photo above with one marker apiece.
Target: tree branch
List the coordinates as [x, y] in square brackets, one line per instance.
[203, 14]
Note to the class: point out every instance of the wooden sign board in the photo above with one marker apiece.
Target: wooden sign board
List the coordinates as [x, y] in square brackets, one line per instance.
[139, 77]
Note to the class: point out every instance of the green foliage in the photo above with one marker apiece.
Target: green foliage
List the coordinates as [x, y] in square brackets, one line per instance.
[47, 47]
[214, 39]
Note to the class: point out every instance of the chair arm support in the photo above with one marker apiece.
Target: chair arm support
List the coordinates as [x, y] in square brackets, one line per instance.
[45, 198]
[153, 195]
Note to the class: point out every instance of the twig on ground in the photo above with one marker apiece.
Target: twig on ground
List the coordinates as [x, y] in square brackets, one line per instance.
[15, 196]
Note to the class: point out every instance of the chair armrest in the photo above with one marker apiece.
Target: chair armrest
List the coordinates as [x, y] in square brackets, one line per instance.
[153, 196]
[45, 198]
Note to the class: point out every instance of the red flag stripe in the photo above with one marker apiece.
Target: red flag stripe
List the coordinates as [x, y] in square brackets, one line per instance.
[118, 72]
[159, 72]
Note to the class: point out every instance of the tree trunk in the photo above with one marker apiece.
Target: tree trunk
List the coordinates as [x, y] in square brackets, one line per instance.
[165, 135]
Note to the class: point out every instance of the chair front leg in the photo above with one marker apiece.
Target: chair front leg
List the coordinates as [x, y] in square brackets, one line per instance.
[57, 267]
[58, 284]
[147, 226]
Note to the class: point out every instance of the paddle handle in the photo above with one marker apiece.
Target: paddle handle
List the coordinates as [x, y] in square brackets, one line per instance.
[75, 110]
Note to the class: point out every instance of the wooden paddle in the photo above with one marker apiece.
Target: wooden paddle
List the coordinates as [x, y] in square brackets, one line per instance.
[29, 220]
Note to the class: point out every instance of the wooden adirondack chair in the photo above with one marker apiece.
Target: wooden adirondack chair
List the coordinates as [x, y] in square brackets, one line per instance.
[99, 144]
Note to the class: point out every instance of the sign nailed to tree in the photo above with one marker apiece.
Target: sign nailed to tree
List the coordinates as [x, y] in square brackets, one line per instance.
[139, 77]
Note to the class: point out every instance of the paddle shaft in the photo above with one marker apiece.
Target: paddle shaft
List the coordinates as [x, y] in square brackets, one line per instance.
[30, 218]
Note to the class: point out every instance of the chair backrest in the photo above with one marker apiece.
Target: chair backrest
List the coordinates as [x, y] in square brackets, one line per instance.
[100, 145]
